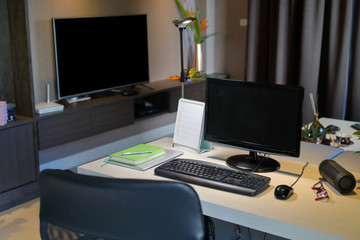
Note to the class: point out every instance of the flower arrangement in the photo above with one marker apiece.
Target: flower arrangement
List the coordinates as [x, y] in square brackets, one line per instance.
[197, 75]
[198, 26]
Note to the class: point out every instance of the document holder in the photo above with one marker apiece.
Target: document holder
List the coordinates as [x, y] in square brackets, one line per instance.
[189, 126]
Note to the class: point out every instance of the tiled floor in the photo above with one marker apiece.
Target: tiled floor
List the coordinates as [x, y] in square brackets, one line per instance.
[21, 222]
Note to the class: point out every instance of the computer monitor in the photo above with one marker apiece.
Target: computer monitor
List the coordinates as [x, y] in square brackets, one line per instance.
[99, 54]
[261, 118]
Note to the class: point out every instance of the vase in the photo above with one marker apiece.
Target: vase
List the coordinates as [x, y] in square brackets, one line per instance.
[317, 129]
[198, 58]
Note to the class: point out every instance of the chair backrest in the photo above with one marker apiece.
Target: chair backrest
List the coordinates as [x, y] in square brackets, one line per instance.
[109, 208]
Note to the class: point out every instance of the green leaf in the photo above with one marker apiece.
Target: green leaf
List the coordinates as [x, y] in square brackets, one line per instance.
[207, 36]
[197, 27]
[182, 9]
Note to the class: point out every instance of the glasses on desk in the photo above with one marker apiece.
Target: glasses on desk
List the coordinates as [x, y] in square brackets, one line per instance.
[320, 191]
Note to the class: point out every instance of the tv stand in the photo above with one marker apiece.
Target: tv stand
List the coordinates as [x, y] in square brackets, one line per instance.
[253, 162]
[99, 115]
[147, 86]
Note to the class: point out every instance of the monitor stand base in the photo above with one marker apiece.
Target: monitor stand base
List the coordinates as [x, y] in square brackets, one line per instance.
[253, 163]
[129, 91]
[77, 99]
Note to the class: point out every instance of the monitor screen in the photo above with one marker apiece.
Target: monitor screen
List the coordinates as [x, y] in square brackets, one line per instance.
[100, 53]
[262, 118]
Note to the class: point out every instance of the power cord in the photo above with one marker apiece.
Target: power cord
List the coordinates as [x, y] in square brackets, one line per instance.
[238, 232]
[209, 228]
[262, 158]
[300, 174]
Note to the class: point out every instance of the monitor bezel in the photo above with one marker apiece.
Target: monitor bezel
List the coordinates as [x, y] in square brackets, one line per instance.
[266, 149]
[100, 89]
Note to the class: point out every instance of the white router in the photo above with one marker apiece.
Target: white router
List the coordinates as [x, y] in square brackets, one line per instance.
[48, 107]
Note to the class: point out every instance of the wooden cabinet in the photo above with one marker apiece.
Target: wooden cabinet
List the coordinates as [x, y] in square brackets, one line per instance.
[81, 122]
[103, 114]
[18, 157]
[18, 164]
[18, 149]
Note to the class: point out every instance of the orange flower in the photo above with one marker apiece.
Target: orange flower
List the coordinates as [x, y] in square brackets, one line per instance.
[174, 78]
[203, 25]
[191, 13]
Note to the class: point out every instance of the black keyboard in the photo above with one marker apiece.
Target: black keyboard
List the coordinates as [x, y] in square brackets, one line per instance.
[213, 176]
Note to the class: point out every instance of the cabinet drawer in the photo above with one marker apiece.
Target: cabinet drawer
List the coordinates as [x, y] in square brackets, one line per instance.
[112, 116]
[17, 157]
[63, 128]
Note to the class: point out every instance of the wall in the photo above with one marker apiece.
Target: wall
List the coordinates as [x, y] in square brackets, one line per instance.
[227, 49]
[163, 37]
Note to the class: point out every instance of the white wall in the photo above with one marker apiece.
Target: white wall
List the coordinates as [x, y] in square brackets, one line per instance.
[163, 37]
[227, 49]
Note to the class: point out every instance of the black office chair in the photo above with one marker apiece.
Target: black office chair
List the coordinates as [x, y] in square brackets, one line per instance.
[75, 206]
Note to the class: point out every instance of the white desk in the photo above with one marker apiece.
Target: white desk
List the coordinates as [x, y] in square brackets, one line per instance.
[345, 127]
[299, 217]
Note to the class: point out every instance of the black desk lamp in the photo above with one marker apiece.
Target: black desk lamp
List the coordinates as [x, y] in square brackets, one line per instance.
[182, 24]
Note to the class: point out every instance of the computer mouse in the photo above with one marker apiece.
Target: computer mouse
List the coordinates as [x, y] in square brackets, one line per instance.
[283, 191]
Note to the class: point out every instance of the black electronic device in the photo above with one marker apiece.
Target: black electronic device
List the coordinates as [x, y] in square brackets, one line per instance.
[284, 191]
[265, 118]
[356, 126]
[341, 179]
[96, 54]
[213, 176]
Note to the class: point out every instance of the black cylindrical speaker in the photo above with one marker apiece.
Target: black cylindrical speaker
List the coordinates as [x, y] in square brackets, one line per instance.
[337, 176]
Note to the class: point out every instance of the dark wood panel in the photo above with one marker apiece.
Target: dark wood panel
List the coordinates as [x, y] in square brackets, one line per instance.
[18, 195]
[18, 143]
[193, 91]
[64, 128]
[21, 57]
[6, 82]
[112, 116]
[175, 95]
[18, 158]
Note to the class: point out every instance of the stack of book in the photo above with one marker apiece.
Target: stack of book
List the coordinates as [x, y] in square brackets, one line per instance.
[141, 157]
[137, 155]
[3, 113]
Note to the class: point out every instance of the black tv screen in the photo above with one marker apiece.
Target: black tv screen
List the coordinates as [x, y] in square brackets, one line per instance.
[265, 118]
[100, 53]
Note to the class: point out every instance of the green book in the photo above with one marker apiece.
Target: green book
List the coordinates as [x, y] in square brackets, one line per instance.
[134, 156]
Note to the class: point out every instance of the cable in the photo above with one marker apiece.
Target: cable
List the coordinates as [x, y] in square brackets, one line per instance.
[238, 232]
[209, 228]
[261, 160]
[249, 233]
[300, 174]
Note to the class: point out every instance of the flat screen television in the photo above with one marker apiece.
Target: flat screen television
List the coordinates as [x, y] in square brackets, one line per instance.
[261, 118]
[96, 54]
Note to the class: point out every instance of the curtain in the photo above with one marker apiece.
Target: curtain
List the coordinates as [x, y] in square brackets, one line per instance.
[311, 43]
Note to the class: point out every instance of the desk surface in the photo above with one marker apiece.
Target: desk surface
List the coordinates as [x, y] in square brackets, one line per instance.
[299, 217]
[345, 127]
